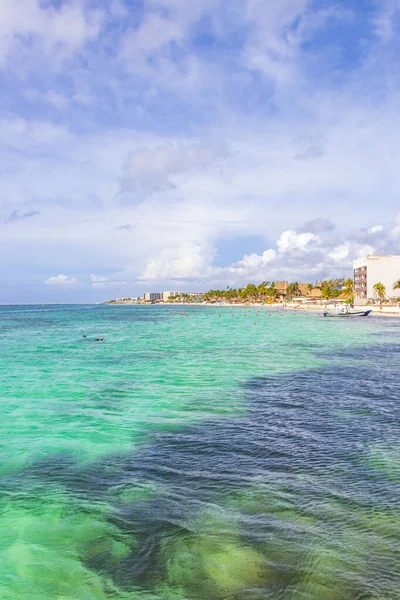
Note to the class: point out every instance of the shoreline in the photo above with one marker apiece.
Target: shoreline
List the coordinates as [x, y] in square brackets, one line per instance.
[386, 311]
[376, 311]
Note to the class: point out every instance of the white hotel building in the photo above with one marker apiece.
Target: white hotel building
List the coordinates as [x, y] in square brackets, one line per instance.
[375, 269]
[160, 296]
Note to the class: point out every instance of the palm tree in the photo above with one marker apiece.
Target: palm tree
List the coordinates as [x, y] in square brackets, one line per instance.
[272, 291]
[326, 292]
[380, 290]
[293, 289]
[263, 289]
[348, 287]
[396, 285]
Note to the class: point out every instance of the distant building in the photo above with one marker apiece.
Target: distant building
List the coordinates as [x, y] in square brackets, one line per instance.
[160, 296]
[196, 296]
[376, 269]
[153, 296]
[126, 300]
[166, 296]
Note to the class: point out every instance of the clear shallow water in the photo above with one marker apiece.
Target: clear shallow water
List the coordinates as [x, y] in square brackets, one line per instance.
[201, 457]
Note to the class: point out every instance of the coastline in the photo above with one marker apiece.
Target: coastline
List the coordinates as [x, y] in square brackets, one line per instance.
[376, 311]
[386, 311]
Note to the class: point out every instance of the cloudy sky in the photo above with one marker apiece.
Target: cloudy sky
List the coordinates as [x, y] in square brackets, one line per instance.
[173, 144]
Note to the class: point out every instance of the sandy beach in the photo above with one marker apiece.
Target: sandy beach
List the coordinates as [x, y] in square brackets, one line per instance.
[386, 311]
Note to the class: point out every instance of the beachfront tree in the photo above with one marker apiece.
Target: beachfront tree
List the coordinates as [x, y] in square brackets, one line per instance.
[349, 287]
[326, 292]
[250, 292]
[380, 290]
[335, 286]
[263, 290]
[336, 283]
[272, 290]
[396, 285]
[293, 290]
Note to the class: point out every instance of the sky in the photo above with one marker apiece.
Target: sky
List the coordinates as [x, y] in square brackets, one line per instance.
[169, 144]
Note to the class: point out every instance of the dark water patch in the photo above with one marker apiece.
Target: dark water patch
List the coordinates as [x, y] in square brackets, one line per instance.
[296, 498]
[385, 353]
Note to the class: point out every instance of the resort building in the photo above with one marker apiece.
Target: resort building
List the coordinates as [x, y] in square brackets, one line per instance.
[160, 296]
[153, 297]
[196, 296]
[166, 296]
[375, 269]
[126, 300]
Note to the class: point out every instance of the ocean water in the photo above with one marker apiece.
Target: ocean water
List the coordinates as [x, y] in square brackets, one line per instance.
[231, 454]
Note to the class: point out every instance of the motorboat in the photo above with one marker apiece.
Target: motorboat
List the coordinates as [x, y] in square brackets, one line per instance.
[345, 311]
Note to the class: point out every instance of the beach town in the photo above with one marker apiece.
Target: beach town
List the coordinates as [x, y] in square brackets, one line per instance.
[375, 284]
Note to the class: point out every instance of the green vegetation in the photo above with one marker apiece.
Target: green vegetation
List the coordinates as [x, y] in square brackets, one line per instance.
[266, 291]
[272, 291]
[396, 285]
[380, 290]
[184, 297]
[293, 290]
[327, 292]
[332, 288]
[348, 290]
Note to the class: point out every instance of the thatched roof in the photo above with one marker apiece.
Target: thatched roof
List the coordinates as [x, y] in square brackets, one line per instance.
[303, 289]
[281, 286]
[315, 293]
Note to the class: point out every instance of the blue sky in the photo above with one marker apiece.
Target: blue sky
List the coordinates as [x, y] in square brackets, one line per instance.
[167, 144]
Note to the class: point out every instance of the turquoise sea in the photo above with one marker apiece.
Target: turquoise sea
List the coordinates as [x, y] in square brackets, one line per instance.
[231, 454]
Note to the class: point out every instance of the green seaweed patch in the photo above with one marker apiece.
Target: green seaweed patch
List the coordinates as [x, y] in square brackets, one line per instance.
[210, 560]
[140, 492]
[386, 461]
[265, 499]
[357, 559]
[324, 576]
[49, 546]
[260, 499]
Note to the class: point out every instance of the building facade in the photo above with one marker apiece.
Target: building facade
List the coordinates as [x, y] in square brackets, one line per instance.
[160, 296]
[153, 296]
[376, 269]
[166, 296]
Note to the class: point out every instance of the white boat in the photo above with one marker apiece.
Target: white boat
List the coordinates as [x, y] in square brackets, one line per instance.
[344, 311]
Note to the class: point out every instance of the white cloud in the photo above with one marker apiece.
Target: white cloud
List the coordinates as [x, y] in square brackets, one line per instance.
[385, 20]
[252, 263]
[61, 280]
[290, 241]
[151, 167]
[309, 257]
[99, 281]
[188, 260]
[375, 229]
[57, 32]
[339, 253]
[164, 22]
